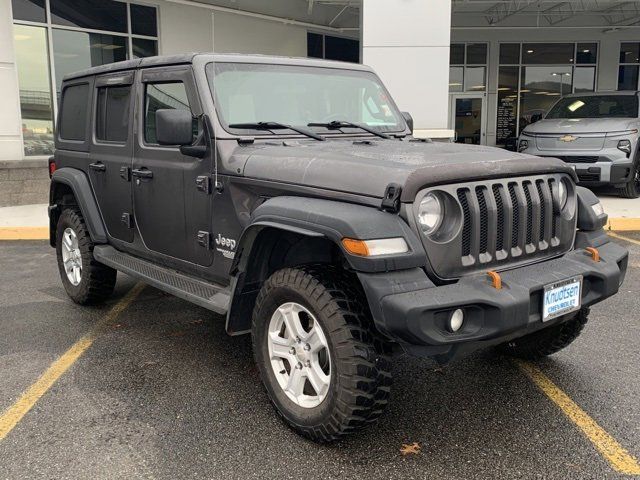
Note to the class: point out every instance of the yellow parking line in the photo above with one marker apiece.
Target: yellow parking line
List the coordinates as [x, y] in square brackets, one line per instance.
[619, 458]
[622, 237]
[24, 233]
[28, 399]
[623, 224]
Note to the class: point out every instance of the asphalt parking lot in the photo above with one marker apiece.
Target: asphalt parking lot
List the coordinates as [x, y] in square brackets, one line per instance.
[163, 393]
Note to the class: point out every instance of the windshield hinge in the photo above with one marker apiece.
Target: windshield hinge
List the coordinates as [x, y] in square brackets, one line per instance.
[391, 199]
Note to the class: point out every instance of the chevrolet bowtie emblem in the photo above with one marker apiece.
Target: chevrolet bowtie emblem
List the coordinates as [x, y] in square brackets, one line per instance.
[568, 138]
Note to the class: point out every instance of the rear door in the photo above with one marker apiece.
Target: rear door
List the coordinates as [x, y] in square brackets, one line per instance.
[112, 152]
[171, 212]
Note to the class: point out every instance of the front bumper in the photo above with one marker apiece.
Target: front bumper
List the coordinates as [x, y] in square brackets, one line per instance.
[413, 311]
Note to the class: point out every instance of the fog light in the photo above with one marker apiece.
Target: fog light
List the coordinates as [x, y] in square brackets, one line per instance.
[625, 146]
[523, 145]
[456, 320]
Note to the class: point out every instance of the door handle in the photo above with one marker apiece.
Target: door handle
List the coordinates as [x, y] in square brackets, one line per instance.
[142, 173]
[98, 166]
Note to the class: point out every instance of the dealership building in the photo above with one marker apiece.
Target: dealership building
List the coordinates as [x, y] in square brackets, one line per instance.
[473, 71]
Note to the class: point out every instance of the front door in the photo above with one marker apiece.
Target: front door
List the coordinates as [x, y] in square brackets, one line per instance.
[172, 214]
[468, 118]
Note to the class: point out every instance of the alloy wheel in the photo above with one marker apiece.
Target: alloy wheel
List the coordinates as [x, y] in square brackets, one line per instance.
[71, 256]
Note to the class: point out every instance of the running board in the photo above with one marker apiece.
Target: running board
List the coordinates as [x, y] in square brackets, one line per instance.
[210, 296]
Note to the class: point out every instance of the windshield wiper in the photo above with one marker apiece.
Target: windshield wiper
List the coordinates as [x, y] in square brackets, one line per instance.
[277, 126]
[338, 124]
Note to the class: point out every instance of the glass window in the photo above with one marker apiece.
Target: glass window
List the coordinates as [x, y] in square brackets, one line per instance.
[510, 53]
[95, 14]
[541, 87]
[506, 124]
[143, 20]
[314, 45]
[628, 77]
[456, 75]
[74, 51]
[476, 54]
[73, 112]
[587, 53]
[144, 48]
[630, 53]
[547, 53]
[112, 113]
[299, 95]
[158, 96]
[584, 79]
[596, 106]
[30, 10]
[35, 89]
[474, 79]
[343, 49]
[456, 54]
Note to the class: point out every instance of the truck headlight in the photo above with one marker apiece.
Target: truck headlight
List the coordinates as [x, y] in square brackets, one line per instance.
[523, 145]
[625, 146]
[430, 213]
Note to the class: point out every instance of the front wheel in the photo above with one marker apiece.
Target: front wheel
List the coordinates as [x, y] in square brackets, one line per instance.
[632, 188]
[317, 354]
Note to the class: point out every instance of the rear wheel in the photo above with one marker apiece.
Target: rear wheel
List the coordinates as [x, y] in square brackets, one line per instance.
[632, 188]
[548, 340]
[318, 357]
[85, 280]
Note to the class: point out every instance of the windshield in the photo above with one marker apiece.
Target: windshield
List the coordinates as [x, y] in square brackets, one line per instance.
[248, 93]
[600, 106]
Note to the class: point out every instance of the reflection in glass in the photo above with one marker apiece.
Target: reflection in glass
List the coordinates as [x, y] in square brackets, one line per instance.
[506, 115]
[30, 10]
[474, 79]
[35, 89]
[630, 53]
[547, 53]
[143, 20]
[628, 77]
[510, 53]
[584, 79]
[586, 53]
[476, 54]
[456, 54]
[144, 48]
[541, 87]
[74, 51]
[455, 79]
[468, 125]
[95, 14]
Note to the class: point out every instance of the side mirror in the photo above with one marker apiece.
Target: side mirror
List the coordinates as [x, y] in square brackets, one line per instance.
[409, 119]
[174, 127]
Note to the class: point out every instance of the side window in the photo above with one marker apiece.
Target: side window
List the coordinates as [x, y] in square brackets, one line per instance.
[166, 95]
[73, 112]
[112, 113]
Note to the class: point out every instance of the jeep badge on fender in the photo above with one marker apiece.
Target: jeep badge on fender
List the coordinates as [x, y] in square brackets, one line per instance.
[331, 236]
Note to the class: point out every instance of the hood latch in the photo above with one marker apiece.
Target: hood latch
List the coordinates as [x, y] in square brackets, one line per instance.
[391, 199]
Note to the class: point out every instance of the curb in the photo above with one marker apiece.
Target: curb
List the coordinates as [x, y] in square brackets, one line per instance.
[24, 233]
[623, 224]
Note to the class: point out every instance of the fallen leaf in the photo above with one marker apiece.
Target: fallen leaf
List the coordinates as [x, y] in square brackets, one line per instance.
[410, 448]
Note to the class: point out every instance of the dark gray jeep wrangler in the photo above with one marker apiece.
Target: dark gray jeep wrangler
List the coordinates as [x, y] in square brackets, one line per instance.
[290, 196]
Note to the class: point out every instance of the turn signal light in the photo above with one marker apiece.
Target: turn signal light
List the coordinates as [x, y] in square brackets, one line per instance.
[355, 247]
[376, 247]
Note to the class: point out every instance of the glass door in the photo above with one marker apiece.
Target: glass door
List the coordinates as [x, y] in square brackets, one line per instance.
[467, 119]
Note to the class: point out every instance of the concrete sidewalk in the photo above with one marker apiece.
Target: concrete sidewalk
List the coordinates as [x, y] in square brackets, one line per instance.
[30, 222]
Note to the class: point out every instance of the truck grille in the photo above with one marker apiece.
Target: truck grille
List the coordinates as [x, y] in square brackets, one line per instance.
[575, 158]
[513, 218]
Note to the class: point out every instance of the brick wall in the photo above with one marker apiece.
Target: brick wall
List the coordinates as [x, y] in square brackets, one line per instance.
[23, 182]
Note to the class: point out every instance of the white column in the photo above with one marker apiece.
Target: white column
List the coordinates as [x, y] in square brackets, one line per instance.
[407, 43]
[10, 129]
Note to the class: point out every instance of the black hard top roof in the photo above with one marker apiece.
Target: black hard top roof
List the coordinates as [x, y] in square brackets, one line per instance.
[186, 58]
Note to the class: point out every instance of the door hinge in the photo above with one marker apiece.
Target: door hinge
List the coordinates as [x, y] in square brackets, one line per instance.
[127, 219]
[204, 239]
[203, 183]
[125, 173]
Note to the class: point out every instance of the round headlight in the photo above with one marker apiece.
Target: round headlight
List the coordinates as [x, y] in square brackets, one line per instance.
[430, 213]
[562, 194]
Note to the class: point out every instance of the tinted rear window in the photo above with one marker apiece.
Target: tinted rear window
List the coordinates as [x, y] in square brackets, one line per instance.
[112, 113]
[600, 106]
[73, 113]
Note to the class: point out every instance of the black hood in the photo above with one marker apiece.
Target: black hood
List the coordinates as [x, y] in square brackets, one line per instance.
[366, 168]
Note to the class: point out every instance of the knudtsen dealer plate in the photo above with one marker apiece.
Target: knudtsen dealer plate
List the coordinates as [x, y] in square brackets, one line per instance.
[561, 298]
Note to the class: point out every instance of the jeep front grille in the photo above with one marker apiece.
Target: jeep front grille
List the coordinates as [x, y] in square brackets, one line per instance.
[502, 223]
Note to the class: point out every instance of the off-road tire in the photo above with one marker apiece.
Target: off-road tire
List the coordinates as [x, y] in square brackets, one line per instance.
[360, 362]
[632, 188]
[548, 340]
[97, 280]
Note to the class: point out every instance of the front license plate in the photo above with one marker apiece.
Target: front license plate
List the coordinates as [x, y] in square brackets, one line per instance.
[561, 298]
